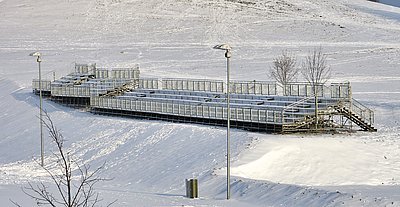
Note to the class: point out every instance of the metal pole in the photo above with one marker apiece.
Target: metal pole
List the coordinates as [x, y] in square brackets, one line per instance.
[228, 55]
[40, 114]
[228, 156]
[316, 106]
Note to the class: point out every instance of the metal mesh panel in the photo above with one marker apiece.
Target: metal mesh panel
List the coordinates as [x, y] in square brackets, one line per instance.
[148, 83]
[102, 73]
[192, 85]
[70, 91]
[340, 90]
[187, 109]
[253, 87]
[46, 85]
[117, 73]
[85, 68]
[303, 89]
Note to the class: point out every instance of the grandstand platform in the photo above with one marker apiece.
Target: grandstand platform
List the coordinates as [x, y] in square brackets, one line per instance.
[254, 105]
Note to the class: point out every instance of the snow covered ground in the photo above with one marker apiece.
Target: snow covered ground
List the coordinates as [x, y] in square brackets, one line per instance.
[149, 160]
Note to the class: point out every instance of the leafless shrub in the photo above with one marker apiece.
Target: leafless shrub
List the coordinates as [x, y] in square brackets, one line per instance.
[316, 72]
[284, 69]
[315, 69]
[74, 182]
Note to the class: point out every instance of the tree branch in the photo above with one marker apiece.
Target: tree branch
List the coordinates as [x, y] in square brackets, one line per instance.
[71, 194]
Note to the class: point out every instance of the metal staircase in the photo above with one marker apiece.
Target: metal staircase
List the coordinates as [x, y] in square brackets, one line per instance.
[120, 90]
[357, 113]
[300, 115]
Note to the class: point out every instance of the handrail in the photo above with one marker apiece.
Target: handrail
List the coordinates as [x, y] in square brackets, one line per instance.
[44, 85]
[293, 106]
[360, 110]
[186, 109]
[365, 113]
[334, 90]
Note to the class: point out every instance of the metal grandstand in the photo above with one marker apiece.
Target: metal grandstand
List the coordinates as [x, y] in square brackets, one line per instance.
[255, 105]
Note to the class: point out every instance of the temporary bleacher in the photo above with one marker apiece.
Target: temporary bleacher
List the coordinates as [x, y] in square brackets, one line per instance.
[254, 105]
[87, 80]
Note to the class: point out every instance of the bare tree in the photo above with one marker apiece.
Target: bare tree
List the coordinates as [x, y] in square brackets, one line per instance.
[74, 182]
[316, 72]
[284, 69]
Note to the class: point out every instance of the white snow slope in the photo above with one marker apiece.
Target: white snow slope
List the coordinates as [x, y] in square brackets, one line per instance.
[149, 160]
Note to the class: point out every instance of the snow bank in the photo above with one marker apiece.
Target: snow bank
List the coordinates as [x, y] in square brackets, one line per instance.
[326, 161]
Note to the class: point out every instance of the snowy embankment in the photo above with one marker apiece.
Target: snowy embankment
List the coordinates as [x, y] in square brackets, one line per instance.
[328, 161]
[149, 160]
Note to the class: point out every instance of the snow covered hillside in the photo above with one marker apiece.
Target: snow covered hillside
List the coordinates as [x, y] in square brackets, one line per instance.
[149, 160]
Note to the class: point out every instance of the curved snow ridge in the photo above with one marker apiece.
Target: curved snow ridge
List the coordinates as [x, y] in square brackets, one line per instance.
[264, 193]
[276, 194]
[320, 162]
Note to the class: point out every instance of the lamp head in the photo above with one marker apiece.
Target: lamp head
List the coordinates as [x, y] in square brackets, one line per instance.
[35, 54]
[222, 47]
[38, 55]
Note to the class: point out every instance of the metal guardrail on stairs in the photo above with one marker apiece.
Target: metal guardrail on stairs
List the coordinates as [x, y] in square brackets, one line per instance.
[291, 118]
[365, 114]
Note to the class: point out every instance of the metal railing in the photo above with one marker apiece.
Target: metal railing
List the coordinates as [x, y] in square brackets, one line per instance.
[70, 91]
[340, 90]
[193, 85]
[45, 85]
[236, 87]
[85, 68]
[357, 108]
[148, 83]
[334, 90]
[117, 73]
[302, 89]
[94, 87]
[253, 87]
[298, 111]
[207, 111]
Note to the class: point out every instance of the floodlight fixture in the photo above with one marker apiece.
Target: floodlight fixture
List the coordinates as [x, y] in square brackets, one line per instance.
[222, 47]
[35, 54]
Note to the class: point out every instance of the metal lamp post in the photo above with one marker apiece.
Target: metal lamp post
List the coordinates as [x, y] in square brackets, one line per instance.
[228, 55]
[39, 60]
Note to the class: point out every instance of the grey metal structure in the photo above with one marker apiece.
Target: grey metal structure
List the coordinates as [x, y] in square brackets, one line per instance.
[85, 68]
[193, 85]
[260, 108]
[148, 83]
[253, 87]
[237, 87]
[77, 87]
[334, 90]
[41, 85]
